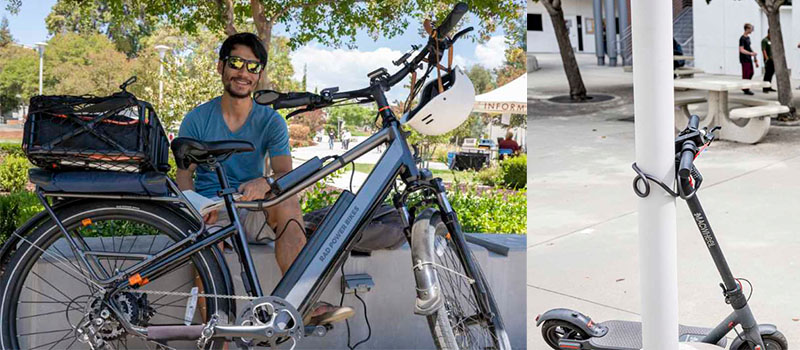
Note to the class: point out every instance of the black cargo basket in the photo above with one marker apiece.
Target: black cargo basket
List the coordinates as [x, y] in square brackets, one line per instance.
[114, 133]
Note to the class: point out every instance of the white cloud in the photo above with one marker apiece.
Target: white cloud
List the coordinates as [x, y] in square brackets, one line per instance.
[491, 54]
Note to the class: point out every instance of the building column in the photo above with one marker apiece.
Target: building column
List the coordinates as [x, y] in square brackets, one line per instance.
[654, 100]
[611, 33]
[622, 8]
[599, 50]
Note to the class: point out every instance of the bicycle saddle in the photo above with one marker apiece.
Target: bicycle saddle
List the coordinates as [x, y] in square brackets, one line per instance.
[188, 150]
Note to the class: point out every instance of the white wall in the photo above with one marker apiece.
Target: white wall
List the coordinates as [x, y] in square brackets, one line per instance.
[718, 26]
[545, 41]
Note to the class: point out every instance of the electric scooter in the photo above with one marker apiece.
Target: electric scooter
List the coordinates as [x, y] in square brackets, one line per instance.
[569, 329]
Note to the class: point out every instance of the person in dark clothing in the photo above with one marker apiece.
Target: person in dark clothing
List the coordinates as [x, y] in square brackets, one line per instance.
[769, 66]
[745, 55]
[677, 50]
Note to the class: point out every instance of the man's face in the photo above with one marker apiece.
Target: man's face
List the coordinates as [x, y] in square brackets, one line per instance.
[239, 83]
[748, 30]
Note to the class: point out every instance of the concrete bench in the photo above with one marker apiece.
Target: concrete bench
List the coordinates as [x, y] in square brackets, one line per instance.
[687, 72]
[758, 111]
[750, 124]
[682, 111]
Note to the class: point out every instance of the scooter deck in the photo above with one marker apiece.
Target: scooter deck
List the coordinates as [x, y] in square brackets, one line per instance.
[627, 335]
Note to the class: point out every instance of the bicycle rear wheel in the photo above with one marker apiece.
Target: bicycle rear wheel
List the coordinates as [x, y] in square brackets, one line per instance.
[461, 323]
[47, 293]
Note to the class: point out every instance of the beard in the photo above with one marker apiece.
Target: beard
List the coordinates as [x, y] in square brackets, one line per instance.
[229, 89]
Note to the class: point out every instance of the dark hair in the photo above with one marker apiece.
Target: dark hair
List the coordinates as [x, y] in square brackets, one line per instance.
[747, 25]
[247, 39]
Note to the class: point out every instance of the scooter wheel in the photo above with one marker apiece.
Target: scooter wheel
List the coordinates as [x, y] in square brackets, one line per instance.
[774, 341]
[555, 330]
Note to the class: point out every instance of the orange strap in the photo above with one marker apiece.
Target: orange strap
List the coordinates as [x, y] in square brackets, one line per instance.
[450, 58]
[438, 69]
[383, 109]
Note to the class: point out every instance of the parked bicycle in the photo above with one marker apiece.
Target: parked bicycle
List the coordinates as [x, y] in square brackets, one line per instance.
[136, 288]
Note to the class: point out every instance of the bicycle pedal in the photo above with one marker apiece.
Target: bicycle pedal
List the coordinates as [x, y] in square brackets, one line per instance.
[318, 330]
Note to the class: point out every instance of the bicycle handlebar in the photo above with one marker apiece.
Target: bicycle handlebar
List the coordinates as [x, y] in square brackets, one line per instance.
[451, 20]
[687, 157]
[314, 101]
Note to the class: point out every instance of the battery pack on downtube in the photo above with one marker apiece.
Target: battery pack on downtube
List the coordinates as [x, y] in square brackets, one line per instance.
[294, 177]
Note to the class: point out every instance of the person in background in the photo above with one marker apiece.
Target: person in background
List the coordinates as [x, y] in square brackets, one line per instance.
[747, 56]
[508, 144]
[346, 139]
[769, 66]
[331, 138]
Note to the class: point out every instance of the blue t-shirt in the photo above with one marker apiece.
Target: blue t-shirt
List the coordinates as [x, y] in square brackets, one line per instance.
[264, 127]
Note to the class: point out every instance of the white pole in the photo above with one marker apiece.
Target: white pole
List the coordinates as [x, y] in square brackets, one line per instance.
[160, 81]
[653, 107]
[793, 60]
[41, 63]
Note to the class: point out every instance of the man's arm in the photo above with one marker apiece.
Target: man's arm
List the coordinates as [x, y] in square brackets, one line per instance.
[184, 177]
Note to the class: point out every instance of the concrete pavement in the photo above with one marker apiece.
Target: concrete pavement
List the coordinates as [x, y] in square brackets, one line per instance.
[583, 239]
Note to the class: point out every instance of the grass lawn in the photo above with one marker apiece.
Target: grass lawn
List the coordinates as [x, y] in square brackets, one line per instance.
[446, 175]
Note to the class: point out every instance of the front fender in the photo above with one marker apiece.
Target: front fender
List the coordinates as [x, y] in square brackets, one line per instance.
[576, 318]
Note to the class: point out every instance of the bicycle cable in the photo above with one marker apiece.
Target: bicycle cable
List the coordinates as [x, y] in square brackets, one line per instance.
[347, 322]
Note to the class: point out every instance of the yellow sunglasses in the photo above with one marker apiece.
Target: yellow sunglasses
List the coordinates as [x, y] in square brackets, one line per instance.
[237, 63]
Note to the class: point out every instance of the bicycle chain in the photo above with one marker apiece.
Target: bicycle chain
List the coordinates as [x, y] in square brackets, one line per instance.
[184, 294]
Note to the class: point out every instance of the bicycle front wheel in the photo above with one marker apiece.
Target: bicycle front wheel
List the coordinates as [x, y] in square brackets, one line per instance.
[48, 294]
[461, 323]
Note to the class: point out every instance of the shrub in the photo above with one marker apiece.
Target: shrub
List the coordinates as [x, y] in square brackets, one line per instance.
[14, 173]
[299, 132]
[490, 176]
[492, 211]
[15, 209]
[515, 171]
[8, 148]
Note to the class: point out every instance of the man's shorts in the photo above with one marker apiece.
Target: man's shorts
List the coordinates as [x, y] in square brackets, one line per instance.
[254, 223]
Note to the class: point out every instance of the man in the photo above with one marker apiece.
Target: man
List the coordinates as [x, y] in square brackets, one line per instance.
[508, 144]
[745, 54]
[232, 116]
[346, 139]
[769, 66]
[331, 138]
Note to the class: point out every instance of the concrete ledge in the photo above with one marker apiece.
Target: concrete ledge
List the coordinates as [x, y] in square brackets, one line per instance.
[758, 111]
[533, 65]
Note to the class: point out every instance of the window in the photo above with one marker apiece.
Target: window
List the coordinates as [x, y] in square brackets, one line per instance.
[535, 22]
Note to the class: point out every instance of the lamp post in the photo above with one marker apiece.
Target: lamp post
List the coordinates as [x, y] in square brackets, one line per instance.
[162, 50]
[40, 47]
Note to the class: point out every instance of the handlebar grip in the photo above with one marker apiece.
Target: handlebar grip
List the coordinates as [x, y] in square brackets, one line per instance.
[694, 121]
[451, 20]
[291, 103]
[687, 157]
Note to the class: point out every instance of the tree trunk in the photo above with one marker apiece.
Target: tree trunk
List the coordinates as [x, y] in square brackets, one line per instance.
[779, 59]
[264, 29]
[577, 91]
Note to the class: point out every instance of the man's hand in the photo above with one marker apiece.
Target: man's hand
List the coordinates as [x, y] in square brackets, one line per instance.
[254, 189]
[211, 217]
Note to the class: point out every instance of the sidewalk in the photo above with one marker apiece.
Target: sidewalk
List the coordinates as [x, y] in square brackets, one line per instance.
[301, 154]
[583, 239]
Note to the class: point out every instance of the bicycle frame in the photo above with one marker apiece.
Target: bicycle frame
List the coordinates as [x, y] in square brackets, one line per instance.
[325, 251]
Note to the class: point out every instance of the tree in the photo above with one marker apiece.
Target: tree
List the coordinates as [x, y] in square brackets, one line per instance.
[513, 66]
[481, 79]
[771, 9]
[84, 64]
[125, 22]
[19, 69]
[577, 91]
[329, 22]
[353, 116]
[5, 33]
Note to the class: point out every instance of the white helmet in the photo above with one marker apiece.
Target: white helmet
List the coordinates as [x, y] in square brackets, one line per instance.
[438, 113]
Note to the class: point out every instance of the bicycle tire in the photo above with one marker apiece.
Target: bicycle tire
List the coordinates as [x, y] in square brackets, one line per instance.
[41, 276]
[454, 326]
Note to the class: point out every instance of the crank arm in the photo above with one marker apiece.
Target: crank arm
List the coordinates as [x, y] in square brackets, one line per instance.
[194, 332]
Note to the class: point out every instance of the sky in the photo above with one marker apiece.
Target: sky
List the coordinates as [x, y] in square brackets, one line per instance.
[327, 66]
